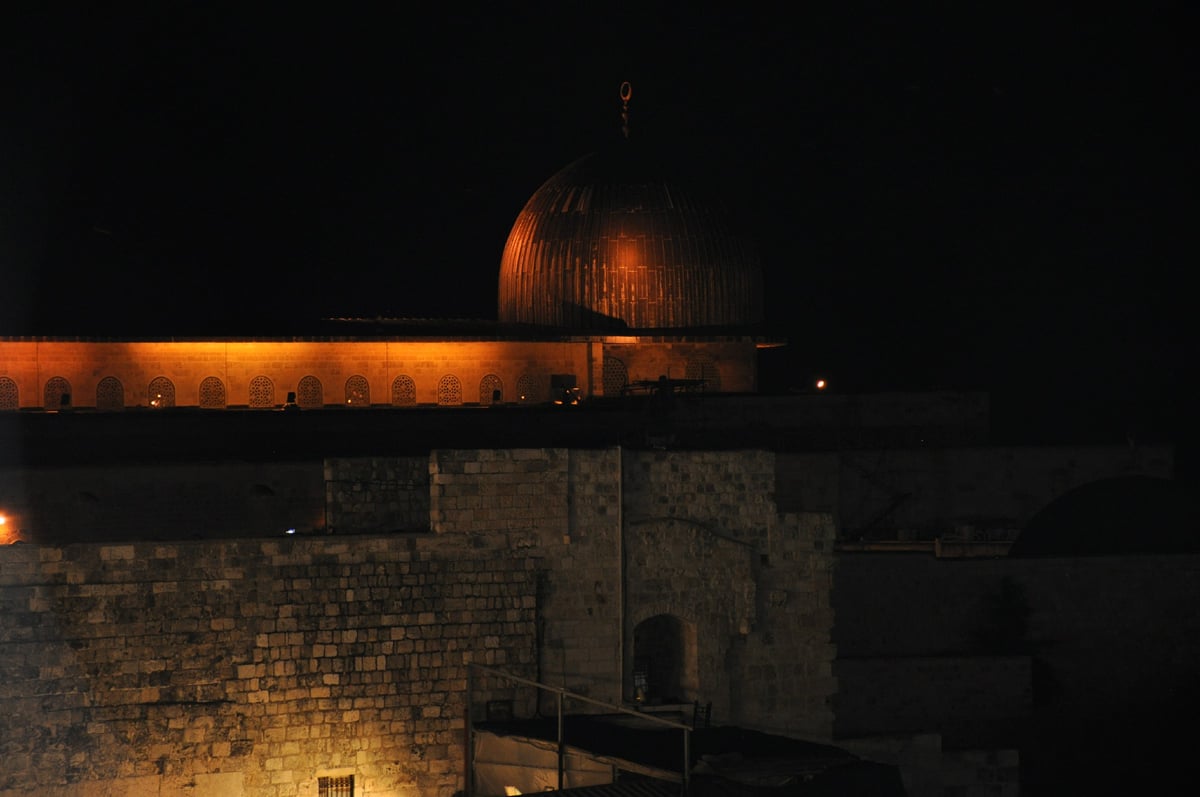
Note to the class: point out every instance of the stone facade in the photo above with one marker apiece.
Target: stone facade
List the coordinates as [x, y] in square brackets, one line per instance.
[223, 668]
[109, 374]
[377, 494]
[252, 667]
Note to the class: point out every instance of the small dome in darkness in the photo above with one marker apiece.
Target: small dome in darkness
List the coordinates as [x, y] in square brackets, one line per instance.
[618, 239]
[1114, 517]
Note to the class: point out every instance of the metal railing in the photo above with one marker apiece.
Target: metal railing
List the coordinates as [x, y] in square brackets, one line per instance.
[560, 695]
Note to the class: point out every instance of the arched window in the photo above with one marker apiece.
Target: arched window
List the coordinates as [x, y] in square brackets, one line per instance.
[404, 391]
[162, 393]
[449, 391]
[110, 394]
[262, 392]
[57, 394]
[491, 390]
[615, 377]
[703, 367]
[358, 392]
[665, 668]
[309, 393]
[9, 400]
[529, 389]
[212, 393]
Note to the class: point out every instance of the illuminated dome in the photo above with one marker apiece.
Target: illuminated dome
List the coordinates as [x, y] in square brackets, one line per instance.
[617, 240]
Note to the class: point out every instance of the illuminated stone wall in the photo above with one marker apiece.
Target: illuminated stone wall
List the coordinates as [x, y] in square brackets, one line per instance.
[396, 372]
[250, 668]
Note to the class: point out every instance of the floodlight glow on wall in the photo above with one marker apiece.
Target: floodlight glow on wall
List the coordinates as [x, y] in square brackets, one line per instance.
[9, 533]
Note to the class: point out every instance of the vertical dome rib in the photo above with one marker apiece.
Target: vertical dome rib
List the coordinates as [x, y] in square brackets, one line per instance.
[611, 241]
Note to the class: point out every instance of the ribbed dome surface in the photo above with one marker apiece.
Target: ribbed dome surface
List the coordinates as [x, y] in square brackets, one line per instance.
[618, 240]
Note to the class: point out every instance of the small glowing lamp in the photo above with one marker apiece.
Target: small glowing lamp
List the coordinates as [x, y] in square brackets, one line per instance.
[821, 384]
[290, 531]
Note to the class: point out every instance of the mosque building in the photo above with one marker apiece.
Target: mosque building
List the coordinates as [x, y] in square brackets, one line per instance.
[330, 604]
[618, 271]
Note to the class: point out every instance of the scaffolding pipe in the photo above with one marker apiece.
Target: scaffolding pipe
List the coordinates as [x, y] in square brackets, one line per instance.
[562, 744]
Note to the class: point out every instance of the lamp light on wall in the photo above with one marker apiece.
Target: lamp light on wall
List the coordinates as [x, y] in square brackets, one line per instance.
[9, 533]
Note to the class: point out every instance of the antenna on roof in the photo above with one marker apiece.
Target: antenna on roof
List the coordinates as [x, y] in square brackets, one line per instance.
[626, 93]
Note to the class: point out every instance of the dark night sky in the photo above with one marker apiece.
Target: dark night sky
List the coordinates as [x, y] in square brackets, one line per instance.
[984, 199]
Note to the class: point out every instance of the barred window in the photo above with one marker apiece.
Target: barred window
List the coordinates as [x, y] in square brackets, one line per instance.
[110, 394]
[262, 392]
[212, 393]
[57, 393]
[449, 390]
[358, 392]
[309, 393]
[335, 786]
[9, 400]
[491, 389]
[404, 391]
[162, 392]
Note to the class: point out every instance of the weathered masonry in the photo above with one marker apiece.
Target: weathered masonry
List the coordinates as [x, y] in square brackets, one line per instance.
[261, 666]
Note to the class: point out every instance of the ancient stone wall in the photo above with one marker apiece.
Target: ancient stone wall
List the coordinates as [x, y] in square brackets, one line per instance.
[783, 677]
[254, 666]
[377, 494]
[564, 506]
[221, 669]
[626, 536]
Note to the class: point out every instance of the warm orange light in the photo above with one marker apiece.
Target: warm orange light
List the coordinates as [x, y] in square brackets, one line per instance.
[8, 532]
[821, 383]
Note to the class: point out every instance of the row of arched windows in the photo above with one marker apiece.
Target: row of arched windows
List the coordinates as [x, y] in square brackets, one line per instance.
[110, 392]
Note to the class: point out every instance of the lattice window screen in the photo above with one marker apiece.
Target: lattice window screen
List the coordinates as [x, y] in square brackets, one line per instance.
[529, 390]
[309, 393]
[489, 388]
[262, 392]
[57, 393]
[110, 394]
[9, 400]
[212, 393]
[404, 391]
[449, 390]
[162, 392]
[704, 368]
[358, 392]
[616, 377]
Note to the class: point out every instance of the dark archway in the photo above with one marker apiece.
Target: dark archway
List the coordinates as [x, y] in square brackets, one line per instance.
[664, 661]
